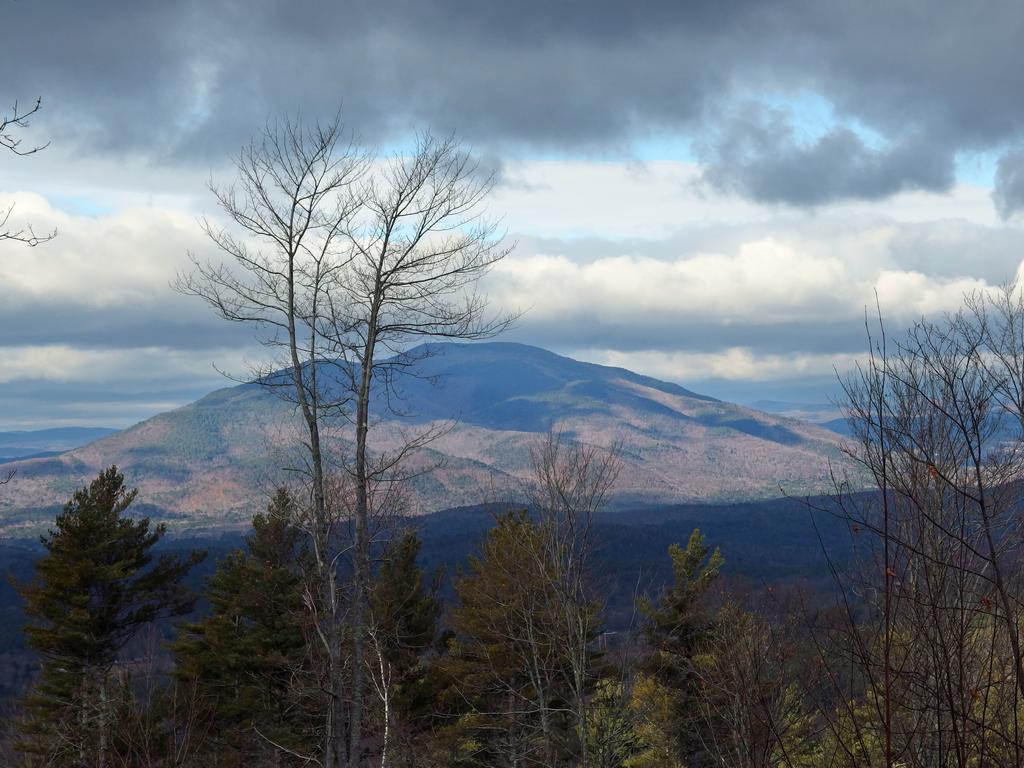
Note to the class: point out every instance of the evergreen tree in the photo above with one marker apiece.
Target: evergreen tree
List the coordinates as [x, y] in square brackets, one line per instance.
[94, 589]
[403, 616]
[247, 658]
[404, 607]
[676, 626]
[676, 623]
[507, 667]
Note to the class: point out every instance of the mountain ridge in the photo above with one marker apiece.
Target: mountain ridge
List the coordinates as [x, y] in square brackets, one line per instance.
[212, 461]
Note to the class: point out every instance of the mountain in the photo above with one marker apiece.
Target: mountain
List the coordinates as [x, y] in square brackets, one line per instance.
[209, 463]
[25, 444]
[827, 415]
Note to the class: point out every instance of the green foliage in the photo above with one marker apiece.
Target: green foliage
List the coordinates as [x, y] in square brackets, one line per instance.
[676, 626]
[244, 657]
[611, 727]
[676, 623]
[404, 612]
[507, 668]
[94, 589]
[655, 711]
[405, 609]
[403, 620]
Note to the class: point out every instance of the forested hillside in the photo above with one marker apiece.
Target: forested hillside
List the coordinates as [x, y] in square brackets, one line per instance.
[204, 465]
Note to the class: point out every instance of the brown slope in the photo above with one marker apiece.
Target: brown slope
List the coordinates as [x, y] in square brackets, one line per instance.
[212, 462]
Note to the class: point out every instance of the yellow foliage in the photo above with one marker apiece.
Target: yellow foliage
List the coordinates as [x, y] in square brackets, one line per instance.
[654, 707]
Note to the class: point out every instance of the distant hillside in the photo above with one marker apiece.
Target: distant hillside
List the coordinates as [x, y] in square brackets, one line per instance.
[31, 443]
[208, 464]
[827, 415]
[764, 542]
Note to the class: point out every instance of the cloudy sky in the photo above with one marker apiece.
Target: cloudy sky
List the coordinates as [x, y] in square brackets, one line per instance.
[710, 193]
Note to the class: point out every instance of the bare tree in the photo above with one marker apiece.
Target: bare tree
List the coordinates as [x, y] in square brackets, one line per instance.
[15, 120]
[572, 481]
[751, 707]
[10, 124]
[417, 247]
[340, 269]
[289, 211]
[933, 620]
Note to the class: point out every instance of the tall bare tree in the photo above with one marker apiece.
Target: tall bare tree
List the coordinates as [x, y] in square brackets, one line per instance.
[288, 212]
[418, 245]
[341, 263]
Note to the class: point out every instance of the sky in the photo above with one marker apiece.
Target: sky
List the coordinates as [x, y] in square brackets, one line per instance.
[709, 193]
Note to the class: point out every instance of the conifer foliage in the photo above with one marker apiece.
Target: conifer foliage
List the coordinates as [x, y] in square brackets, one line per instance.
[403, 623]
[246, 660]
[678, 626]
[508, 665]
[96, 587]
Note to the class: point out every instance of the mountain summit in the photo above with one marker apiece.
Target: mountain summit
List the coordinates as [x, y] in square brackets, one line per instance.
[211, 462]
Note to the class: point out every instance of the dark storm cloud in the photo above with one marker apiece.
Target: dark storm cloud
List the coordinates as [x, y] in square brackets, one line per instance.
[187, 79]
[1009, 187]
[757, 155]
[191, 80]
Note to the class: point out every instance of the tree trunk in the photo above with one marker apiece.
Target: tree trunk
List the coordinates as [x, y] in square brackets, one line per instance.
[83, 722]
[334, 752]
[360, 571]
[102, 725]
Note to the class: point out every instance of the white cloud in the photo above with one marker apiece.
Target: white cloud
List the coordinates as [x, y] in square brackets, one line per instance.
[128, 256]
[612, 199]
[733, 364]
[734, 291]
[658, 198]
[763, 281]
[155, 365]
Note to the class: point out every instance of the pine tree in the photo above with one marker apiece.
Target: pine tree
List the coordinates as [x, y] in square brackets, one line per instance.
[95, 588]
[507, 665]
[403, 616]
[676, 626]
[246, 657]
[405, 608]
